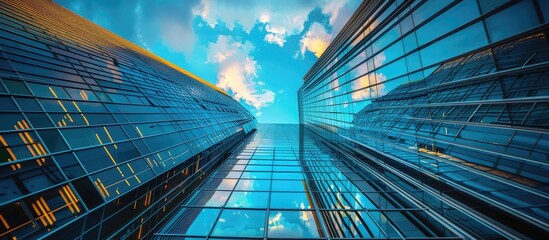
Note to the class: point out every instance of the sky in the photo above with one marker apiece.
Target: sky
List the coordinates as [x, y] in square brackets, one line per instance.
[256, 50]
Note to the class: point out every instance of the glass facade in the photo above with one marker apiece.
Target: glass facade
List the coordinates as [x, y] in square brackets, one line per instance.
[284, 182]
[98, 137]
[448, 99]
[422, 120]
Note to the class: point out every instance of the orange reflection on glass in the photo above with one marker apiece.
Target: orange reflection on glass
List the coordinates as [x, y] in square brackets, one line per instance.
[10, 152]
[44, 212]
[70, 198]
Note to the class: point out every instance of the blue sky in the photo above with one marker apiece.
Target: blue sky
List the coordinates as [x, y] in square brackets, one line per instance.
[258, 51]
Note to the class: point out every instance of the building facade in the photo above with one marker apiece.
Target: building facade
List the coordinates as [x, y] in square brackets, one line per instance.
[98, 137]
[284, 182]
[449, 100]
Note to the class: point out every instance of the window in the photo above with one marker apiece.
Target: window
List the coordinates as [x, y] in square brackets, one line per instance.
[39, 120]
[240, 223]
[499, 27]
[16, 87]
[53, 140]
[458, 43]
[451, 19]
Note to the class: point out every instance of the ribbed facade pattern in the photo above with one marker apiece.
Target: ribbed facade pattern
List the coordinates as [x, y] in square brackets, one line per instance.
[451, 99]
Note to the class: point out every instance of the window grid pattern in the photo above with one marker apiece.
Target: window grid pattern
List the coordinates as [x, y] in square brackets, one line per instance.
[89, 119]
[444, 89]
[283, 184]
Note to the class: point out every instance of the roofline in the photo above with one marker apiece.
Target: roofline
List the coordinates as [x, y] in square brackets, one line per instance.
[151, 55]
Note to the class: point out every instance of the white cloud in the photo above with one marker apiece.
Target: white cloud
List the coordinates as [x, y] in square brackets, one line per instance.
[281, 20]
[178, 36]
[339, 11]
[316, 40]
[238, 70]
[167, 22]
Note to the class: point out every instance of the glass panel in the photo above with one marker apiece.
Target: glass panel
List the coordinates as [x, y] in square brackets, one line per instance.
[248, 200]
[16, 87]
[254, 185]
[211, 198]
[256, 175]
[288, 185]
[85, 137]
[297, 200]
[41, 90]
[80, 94]
[28, 104]
[466, 40]
[282, 175]
[69, 165]
[7, 104]
[240, 223]
[9, 121]
[53, 140]
[195, 221]
[500, 27]
[456, 16]
[221, 184]
[293, 224]
[489, 5]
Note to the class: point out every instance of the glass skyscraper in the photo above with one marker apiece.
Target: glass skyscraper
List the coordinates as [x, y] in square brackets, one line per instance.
[448, 100]
[98, 137]
[423, 119]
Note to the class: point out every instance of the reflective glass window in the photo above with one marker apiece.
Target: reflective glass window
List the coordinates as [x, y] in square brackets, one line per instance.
[248, 200]
[201, 224]
[240, 223]
[53, 140]
[489, 5]
[499, 27]
[69, 165]
[462, 41]
[458, 15]
[211, 198]
[293, 224]
[7, 104]
[28, 104]
[253, 185]
[297, 200]
[16, 87]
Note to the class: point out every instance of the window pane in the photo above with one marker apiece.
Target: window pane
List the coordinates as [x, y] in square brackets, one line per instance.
[451, 19]
[500, 28]
[458, 43]
[16, 87]
[254, 185]
[210, 198]
[298, 200]
[195, 221]
[53, 140]
[248, 200]
[240, 223]
[293, 224]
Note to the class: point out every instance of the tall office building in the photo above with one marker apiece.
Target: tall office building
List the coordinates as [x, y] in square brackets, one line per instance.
[98, 137]
[449, 100]
[285, 183]
[423, 119]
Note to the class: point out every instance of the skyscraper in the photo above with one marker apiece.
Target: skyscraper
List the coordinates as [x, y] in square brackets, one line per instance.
[422, 120]
[449, 100]
[98, 137]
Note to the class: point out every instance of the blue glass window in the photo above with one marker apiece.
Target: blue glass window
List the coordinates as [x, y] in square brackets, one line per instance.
[240, 223]
[499, 26]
